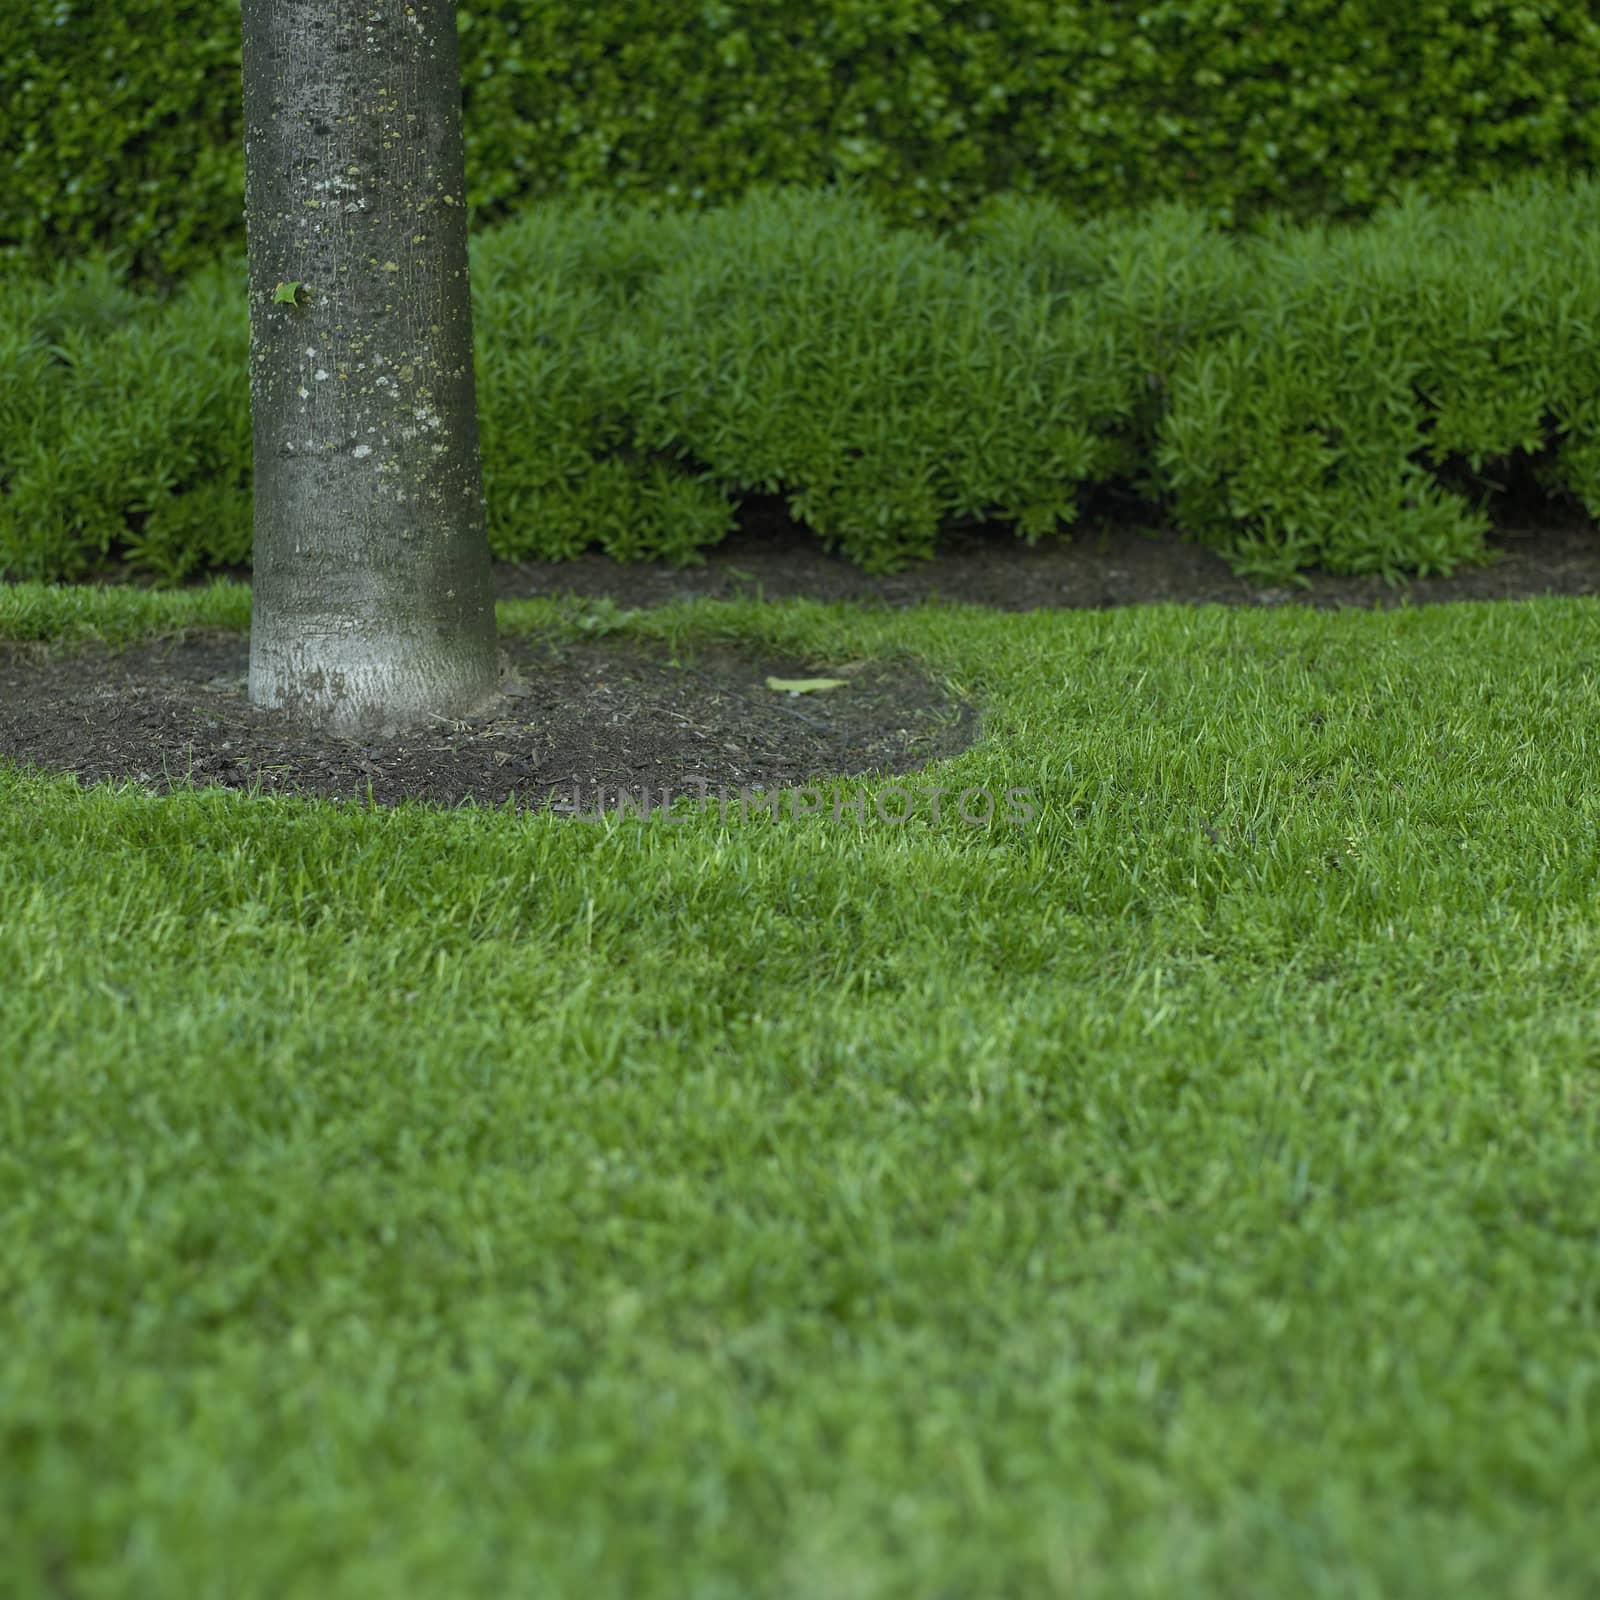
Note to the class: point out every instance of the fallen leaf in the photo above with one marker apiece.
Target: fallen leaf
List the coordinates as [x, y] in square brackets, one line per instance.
[804, 685]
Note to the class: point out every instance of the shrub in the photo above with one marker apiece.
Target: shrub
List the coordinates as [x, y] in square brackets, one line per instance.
[1336, 395]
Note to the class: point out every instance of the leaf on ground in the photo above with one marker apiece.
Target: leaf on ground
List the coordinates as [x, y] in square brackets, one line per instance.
[804, 685]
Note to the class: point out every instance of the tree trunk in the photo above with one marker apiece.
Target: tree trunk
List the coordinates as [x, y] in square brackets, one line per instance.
[372, 599]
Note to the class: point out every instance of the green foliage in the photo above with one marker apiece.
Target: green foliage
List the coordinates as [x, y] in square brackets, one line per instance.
[1373, 356]
[126, 425]
[558, 378]
[1190, 1194]
[122, 128]
[803, 346]
[1332, 395]
[123, 123]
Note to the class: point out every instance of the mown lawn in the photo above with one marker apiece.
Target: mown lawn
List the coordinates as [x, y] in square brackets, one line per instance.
[1193, 1192]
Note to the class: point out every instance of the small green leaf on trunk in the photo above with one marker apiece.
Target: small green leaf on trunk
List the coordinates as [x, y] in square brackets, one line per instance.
[289, 294]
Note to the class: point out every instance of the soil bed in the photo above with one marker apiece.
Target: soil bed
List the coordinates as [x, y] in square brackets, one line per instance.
[586, 725]
[771, 556]
[582, 727]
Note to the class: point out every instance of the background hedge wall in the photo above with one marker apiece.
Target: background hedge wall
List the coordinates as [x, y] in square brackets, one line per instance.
[120, 120]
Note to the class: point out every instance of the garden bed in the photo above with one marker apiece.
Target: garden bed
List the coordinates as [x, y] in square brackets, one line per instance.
[593, 722]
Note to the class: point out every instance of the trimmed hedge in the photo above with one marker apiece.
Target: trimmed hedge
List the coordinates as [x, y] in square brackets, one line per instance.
[1338, 396]
[121, 122]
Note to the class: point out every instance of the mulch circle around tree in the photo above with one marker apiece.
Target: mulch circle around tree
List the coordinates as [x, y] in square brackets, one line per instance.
[586, 726]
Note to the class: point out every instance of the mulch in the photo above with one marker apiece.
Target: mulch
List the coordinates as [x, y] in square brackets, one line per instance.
[588, 725]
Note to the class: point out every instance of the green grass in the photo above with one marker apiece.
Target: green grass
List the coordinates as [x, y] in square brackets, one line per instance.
[466, 1204]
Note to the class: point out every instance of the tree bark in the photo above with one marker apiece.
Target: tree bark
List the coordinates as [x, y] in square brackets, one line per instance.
[372, 599]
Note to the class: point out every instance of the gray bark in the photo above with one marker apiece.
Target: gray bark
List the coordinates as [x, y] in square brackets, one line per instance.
[371, 594]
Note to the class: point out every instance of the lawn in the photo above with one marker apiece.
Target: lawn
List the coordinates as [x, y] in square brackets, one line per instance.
[1190, 1191]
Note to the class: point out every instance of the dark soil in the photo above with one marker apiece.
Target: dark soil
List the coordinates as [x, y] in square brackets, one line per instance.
[588, 726]
[1118, 564]
[584, 725]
